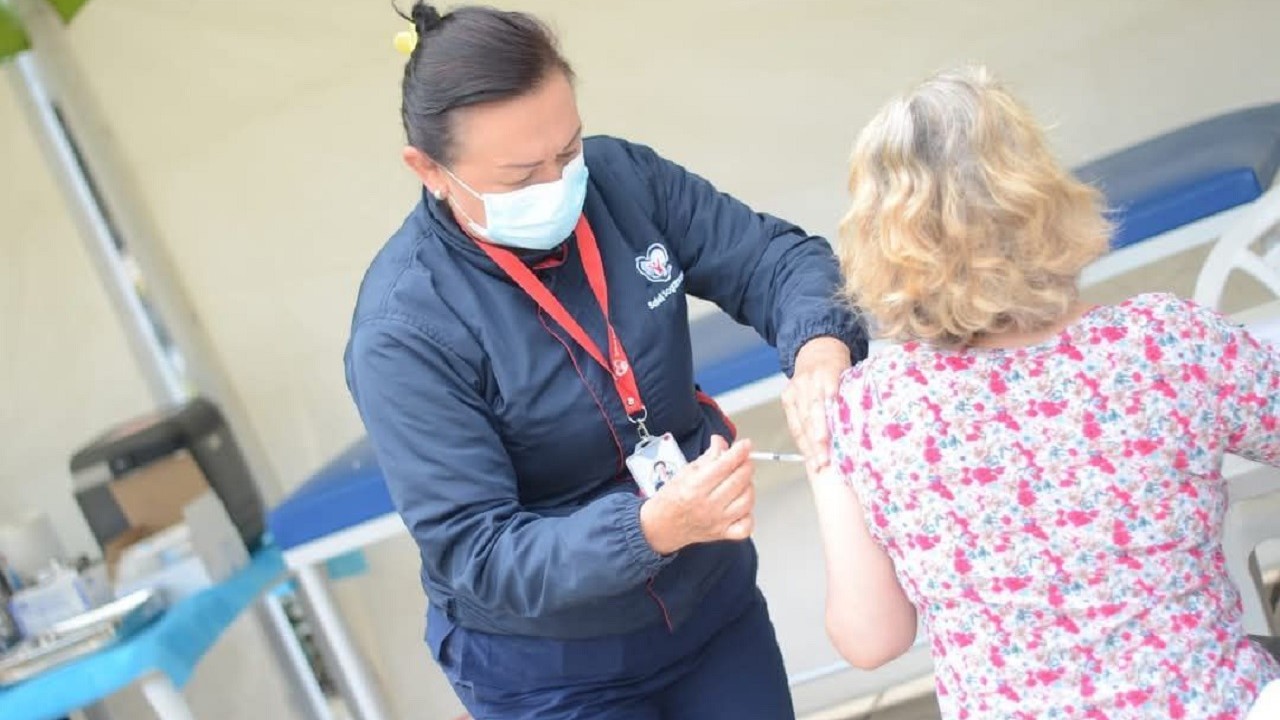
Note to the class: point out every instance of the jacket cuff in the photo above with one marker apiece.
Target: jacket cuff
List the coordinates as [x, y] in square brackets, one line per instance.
[841, 325]
[642, 555]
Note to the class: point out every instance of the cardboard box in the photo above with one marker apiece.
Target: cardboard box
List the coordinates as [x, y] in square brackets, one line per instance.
[149, 499]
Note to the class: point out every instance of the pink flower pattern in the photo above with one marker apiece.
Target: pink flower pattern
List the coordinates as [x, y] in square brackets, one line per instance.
[1055, 511]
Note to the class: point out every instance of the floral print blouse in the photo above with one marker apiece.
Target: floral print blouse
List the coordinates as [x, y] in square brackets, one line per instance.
[1055, 511]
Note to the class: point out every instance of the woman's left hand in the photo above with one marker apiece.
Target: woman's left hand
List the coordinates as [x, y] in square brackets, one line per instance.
[819, 364]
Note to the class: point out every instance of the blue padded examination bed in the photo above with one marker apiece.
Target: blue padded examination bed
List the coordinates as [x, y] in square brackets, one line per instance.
[1158, 185]
[1188, 174]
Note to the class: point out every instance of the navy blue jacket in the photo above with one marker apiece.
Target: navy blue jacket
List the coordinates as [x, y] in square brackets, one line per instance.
[502, 440]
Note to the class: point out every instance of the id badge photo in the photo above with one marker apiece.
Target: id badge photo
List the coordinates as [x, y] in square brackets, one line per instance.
[655, 462]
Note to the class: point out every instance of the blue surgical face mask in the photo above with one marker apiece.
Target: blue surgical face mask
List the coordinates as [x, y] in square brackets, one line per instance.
[538, 217]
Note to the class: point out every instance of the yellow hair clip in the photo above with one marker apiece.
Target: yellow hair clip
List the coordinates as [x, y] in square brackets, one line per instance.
[405, 41]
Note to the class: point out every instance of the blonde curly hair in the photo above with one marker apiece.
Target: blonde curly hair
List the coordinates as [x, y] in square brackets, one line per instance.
[962, 223]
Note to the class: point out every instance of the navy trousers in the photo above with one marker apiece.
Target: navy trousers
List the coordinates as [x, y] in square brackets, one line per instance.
[721, 664]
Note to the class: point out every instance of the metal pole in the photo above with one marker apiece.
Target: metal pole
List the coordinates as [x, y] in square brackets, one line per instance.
[359, 687]
[162, 379]
[69, 116]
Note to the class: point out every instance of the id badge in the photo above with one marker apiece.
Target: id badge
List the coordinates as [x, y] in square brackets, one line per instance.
[655, 462]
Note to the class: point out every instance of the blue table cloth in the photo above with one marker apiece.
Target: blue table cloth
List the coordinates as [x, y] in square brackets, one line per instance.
[173, 644]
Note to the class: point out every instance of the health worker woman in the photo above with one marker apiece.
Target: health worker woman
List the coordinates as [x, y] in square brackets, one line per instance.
[520, 356]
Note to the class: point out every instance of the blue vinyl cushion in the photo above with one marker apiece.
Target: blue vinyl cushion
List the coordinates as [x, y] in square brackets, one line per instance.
[346, 492]
[1188, 174]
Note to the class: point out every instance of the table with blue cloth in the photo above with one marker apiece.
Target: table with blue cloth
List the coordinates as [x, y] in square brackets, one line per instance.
[162, 655]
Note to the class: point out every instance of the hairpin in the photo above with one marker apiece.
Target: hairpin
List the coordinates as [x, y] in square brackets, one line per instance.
[405, 41]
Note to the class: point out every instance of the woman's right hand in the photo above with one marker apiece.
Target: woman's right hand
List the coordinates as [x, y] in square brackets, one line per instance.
[710, 499]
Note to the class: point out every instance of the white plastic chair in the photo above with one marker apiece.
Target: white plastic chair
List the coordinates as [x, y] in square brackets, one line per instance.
[1236, 251]
[1252, 245]
[1163, 246]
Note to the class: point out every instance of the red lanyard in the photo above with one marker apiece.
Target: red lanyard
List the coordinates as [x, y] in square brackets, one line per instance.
[618, 367]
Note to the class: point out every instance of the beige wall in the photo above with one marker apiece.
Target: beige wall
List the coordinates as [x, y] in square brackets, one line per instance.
[265, 134]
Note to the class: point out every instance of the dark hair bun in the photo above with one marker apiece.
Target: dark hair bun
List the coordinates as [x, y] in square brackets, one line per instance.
[472, 54]
[425, 17]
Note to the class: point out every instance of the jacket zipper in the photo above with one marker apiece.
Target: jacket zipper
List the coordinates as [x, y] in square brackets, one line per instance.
[666, 616]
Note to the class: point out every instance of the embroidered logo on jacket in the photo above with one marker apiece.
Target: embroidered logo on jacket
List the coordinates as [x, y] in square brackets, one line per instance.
[655, 265]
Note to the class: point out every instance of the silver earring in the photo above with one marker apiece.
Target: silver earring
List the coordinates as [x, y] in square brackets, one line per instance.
[439, 194]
